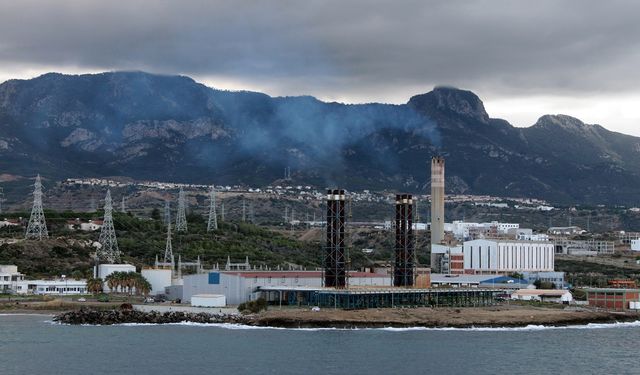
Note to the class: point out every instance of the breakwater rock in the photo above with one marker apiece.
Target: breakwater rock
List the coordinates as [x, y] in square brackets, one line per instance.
[109, 317]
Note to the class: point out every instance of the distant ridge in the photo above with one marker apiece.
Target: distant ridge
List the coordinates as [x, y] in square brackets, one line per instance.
[172, 128]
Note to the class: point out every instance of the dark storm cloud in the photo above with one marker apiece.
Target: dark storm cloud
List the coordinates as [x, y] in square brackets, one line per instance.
[360, 48]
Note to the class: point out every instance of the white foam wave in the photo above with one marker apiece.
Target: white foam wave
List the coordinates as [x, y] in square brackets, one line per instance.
[25, 314]
[233, 326]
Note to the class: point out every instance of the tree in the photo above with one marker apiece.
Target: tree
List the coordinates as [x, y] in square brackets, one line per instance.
[94, 285]
[155, 214]
[142, 286]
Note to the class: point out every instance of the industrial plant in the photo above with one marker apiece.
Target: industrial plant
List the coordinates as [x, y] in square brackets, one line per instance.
[470, 264]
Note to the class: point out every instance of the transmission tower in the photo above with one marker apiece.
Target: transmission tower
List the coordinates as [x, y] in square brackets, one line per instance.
[221, 211]
[1, 198]
[181, 219]
[122, 206]
[244, 211]
[167, 213]
[212, 224]
[252, 214]
[37, 228]
[286, 214]
[109, 251]
[168, 250]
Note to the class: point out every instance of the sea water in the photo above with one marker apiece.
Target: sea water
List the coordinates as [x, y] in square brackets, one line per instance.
[33, 344]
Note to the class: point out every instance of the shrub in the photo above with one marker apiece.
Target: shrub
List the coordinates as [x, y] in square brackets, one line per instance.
[253, 307]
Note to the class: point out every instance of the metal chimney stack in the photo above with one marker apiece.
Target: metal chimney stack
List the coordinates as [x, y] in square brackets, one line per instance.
[404, 249]
[335, 271]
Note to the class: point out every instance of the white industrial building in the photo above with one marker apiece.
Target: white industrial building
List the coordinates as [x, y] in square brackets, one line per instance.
[12, 281]
[159, 279]
[242, 286]
[104, 270]
[208, 300]
[635, 245]
[463, 230]
[544, 295]
[504, 256]
[52, 287]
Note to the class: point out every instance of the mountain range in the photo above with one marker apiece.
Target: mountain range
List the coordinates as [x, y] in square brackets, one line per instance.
[171, 128]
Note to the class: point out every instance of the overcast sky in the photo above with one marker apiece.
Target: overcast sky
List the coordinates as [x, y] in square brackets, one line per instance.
[523, 58]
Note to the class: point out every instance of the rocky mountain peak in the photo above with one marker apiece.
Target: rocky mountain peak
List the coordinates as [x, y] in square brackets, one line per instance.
[560, 120]
[449, 99]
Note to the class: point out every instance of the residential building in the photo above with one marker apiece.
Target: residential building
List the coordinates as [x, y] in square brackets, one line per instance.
[9, 277]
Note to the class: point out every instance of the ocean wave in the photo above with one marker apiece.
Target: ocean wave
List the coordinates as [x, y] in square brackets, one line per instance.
[25, 314]
[233, 326]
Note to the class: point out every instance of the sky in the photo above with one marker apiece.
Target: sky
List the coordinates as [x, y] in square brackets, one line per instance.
[524, 59]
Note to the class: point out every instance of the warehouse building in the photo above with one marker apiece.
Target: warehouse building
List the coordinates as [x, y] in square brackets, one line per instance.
[505, 256]
[242, 286]
[613, 298]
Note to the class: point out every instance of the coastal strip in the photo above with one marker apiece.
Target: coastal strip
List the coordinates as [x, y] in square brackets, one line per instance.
[372, 318]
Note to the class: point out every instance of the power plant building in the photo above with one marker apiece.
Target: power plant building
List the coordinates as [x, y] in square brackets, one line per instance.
[505, 256]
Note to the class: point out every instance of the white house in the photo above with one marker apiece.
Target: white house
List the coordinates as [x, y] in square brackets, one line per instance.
[10, 222]
[86, 226]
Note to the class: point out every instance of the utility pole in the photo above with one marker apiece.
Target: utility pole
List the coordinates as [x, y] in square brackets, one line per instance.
[37, 228]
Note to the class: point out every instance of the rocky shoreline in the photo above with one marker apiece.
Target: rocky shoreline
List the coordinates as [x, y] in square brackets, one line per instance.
[110, 317]
[375, 318]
